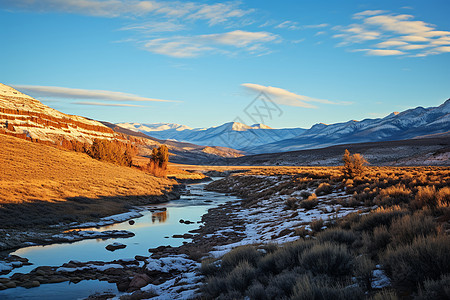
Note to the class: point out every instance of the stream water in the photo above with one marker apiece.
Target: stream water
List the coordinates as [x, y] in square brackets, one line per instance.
[151, 230]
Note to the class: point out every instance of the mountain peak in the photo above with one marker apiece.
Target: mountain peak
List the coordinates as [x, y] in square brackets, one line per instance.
[260, 126]
[237, 126]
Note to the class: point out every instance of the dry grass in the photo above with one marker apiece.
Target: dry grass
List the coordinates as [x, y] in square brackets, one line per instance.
[405, 229]
[71, 182]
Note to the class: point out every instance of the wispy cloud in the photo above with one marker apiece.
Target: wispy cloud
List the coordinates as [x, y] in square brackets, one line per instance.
[70, 93]
[285, 97]
[366, 13]
[152, 21]
[323, 25]
[191, 46]
[291, 25]
[382, 52]
[154, 26]
[396, 34]
[211, 13]
[106, 104]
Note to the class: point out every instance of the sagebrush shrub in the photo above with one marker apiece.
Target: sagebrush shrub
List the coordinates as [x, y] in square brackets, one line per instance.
[308, 287]
[394, 195]
[316, 225]
[377, 218]
[328, 258]
[309, 203]
[363, 269]
[435, 289]
[324, 189]
[240, 277]
[405, 229]
[385, 294]
[337, 235]
[291, 203]
[443, 197]
[425, 197]
[377, 241]
[425, 258]
[240, 254]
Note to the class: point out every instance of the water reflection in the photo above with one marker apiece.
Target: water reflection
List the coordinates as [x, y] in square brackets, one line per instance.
[160, 216]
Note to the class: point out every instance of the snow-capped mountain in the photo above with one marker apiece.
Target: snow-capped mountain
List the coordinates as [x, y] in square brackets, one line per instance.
[408, 124]
[232, 135]
[153, 127]
[259, 138]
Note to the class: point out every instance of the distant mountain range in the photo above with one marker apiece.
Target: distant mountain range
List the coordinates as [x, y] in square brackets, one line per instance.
[259, 138]
[231, 135]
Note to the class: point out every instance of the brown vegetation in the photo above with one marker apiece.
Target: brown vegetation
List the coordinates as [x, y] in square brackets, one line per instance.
[354, 165]
[405, 234]
[159, 161]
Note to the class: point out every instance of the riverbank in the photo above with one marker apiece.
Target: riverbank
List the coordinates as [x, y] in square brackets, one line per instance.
[121, 272]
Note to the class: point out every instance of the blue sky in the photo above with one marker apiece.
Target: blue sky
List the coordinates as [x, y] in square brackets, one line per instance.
[202, 63]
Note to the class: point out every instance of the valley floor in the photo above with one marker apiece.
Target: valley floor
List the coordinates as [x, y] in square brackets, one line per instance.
[298, 233]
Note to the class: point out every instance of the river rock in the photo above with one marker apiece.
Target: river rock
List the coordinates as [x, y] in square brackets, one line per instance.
[140, 257]
[2, 287]
[137, 295]
[138, 281]
[123, 284]
[58, 279]
[75, 279]
[115, 246]
[31, 284]
[10, 285]
[131, 222]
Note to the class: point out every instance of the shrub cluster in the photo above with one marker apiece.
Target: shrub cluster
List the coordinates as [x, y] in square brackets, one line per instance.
[354, 165]
[158, 161]
[111, 151]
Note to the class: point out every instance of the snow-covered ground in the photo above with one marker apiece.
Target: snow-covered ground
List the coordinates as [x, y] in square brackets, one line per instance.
[185, 282]
[266, 222]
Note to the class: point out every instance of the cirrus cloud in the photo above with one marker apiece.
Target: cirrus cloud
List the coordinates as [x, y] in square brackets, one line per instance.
[71, 93]
[105, 104]
[285, 97]
[191, 46]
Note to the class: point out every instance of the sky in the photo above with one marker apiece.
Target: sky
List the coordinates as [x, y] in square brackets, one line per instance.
[291, 63]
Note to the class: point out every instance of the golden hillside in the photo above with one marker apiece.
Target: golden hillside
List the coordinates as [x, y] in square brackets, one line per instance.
[34, 175]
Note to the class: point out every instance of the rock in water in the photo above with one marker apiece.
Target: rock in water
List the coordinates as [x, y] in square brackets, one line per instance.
[138, 281]
[115, 246]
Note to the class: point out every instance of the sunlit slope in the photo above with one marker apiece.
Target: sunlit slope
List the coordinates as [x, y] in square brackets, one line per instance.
[40, 184]
[31, 171]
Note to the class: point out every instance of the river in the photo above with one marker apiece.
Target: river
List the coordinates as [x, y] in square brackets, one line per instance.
[155, 228]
